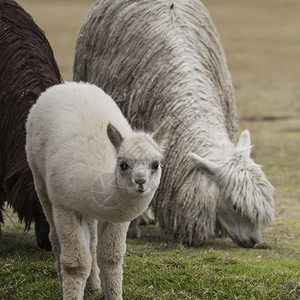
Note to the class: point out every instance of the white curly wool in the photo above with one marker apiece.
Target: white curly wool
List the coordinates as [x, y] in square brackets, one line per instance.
[89, 165]
[159, 58]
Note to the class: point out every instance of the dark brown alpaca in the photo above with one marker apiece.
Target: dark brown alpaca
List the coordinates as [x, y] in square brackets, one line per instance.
[27, 68]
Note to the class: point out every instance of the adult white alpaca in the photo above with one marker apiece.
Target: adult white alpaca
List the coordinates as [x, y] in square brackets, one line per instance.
[158, 58]
[89, 165]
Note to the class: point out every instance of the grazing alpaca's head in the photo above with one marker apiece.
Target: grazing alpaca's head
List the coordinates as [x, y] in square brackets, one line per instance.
[245, 195]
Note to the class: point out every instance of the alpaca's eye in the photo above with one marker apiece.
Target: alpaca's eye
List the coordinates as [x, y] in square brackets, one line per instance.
[155, 166]
[124, 166]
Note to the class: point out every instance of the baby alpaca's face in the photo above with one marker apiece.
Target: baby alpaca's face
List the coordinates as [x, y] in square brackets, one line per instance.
[138, 165]
[138, 177]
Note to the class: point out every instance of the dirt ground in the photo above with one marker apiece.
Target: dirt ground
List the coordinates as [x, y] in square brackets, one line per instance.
[261, 39]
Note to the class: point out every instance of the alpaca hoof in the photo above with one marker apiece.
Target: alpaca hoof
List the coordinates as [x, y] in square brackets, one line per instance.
[94, 285]
[44, 243]
[134, 234]
[95, 290]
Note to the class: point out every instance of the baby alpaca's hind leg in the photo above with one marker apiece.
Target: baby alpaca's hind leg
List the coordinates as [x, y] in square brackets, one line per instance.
[111, 250]
[75, 255]
[93, 282]
[47, 208]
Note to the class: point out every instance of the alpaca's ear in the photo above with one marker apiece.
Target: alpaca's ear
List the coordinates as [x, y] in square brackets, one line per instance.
[245, 141]
[162, 133]
[206, 166]
[114, 135]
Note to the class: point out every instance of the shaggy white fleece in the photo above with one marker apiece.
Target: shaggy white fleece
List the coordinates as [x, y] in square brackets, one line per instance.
[159, 58]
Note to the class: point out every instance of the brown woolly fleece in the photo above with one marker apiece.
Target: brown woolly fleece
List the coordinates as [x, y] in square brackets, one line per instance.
[27, 68]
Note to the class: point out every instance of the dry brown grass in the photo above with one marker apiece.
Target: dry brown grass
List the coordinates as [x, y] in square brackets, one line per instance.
[61, 20]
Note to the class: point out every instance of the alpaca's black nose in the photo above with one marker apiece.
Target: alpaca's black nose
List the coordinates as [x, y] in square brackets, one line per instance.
[140, 181]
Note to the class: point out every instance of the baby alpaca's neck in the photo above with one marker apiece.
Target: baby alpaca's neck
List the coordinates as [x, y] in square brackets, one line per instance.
[117, 205]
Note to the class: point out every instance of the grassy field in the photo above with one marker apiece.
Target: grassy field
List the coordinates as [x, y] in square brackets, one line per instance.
[261, 39]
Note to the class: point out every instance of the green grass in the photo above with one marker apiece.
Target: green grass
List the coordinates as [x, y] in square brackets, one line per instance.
[220, 271]
[156, 267]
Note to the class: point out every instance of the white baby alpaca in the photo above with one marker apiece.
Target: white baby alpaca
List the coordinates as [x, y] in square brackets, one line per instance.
[89, 165]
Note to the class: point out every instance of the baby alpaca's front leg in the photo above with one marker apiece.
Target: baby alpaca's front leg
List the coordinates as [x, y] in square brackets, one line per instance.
[75, 258]
[93, 282]
[111, 250]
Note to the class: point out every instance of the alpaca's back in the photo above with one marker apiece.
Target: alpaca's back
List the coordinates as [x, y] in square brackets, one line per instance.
[75, 110]
[71, 137]
[156, 59]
